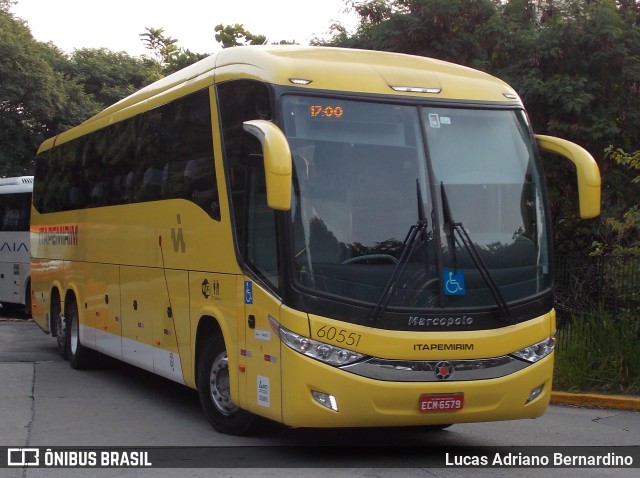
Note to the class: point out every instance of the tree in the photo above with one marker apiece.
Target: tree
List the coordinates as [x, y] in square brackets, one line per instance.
[444, 29]
[576, 66]
[575, 63]
[183, 59]
[162, 47]
[36, 100]
[106, 77]
[43, 91]
[169, 56]
[236, 35]
[5, 5]
[619, 233]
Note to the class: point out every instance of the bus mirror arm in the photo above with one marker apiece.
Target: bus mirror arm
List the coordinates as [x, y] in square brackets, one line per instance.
[587, 169]
[277, 162]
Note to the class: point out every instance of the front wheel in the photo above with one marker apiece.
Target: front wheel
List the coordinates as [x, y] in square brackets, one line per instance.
[215, 392]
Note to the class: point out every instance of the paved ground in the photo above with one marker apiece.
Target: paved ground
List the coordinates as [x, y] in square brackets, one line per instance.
[43, 402]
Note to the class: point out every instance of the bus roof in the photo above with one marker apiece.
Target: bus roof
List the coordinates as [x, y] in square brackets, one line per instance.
[322, 68]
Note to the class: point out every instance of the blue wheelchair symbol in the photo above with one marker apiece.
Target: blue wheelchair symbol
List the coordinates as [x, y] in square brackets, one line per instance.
[248, 292]
[453, 282]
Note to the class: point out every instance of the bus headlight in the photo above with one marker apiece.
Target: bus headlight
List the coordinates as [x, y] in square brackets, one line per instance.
[534, 353]
[329, 354]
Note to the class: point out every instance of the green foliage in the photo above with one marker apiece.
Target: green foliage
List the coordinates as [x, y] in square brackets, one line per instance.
[107, 77]
[163, 47]
[170, 58]
[236, 35]
[576, 63]
[43, 91]
[36, 99]
[620, 232]
[5, 5]
[599, 353]
[444, 29]
[181, 60]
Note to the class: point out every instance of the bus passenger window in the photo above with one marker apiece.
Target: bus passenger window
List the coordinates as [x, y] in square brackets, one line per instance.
[254, 221]
[261, 247]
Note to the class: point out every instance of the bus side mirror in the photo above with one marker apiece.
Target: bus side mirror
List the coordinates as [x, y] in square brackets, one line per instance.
[587, 171]
[277, 162]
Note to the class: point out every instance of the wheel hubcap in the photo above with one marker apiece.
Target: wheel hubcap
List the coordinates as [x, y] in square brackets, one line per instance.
[74, 334]
[219, 385]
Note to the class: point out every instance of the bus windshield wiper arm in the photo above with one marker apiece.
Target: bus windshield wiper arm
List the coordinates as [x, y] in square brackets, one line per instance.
[458, 227]
[414, 236]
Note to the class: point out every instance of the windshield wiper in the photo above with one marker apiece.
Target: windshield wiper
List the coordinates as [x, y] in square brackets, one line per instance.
[458, 227]
[414, 236]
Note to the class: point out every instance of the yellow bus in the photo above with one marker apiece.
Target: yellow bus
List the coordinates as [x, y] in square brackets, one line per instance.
[315, 236]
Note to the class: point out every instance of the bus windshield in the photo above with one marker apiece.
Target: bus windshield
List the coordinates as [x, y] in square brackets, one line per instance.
[361, 170]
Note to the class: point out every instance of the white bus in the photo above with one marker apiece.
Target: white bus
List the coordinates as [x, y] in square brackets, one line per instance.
[15, 272]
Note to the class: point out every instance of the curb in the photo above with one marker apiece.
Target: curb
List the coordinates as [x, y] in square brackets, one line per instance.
[590, 400]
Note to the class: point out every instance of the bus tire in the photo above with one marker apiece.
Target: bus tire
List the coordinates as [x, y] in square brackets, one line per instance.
[215, 393]
[79, 355]
[61, 336]
[60, 326]
[27, 301]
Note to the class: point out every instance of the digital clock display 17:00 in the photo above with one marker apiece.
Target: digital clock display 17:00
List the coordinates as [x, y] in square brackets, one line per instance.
[325, 111]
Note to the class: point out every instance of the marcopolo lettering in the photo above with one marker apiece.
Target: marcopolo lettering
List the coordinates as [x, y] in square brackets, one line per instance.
[416, 320]
[59, 235]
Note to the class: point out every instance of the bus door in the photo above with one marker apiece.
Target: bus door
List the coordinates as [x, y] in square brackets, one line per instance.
[262, 352]
[259, 247]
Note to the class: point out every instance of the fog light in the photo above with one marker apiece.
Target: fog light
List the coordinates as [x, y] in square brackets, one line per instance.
[326, 400]
[534, 393]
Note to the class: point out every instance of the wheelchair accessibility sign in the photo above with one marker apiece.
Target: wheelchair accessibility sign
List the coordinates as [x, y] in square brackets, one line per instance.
[454, 282]
[248, 292]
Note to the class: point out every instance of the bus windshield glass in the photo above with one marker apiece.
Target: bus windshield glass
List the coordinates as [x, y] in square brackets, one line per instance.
[361, 171]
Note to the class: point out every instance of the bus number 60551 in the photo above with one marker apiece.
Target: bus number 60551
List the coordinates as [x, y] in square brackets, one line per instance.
[340, 336]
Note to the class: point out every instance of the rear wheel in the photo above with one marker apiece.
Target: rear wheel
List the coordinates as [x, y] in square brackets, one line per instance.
[27, 301]
[79, 355]
[60, 325]
[215, 392]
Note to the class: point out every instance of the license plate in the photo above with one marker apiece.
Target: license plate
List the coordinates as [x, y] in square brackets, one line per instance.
[445, 402]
